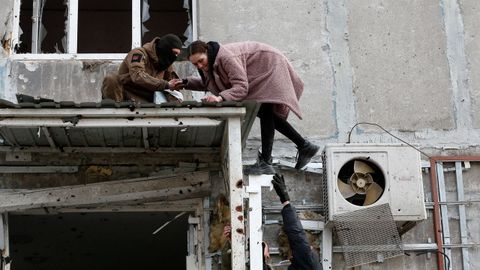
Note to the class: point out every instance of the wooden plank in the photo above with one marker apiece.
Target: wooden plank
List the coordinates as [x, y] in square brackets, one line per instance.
[209, 112]
[232, 156]
[49, 136]
[104, 123]
[170, 150]
[38, 169]
[186, 205]
[183, 186]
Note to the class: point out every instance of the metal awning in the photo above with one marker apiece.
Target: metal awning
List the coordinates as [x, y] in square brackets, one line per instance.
[187, 128]
[109, 126]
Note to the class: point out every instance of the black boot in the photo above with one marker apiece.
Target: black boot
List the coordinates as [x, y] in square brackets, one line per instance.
[305, 154]
[262, 166]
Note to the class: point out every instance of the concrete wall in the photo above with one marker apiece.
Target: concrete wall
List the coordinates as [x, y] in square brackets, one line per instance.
[412, 67]
[409, 66]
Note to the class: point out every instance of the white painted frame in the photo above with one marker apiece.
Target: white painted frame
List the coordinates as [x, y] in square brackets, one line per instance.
[72, 33]
[233, 174]
[254, 193]
[16, 24]
[136, 23]
[35, 25]
[72, 24]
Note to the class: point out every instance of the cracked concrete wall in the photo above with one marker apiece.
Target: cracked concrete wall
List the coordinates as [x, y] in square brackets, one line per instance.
[470, 10]
[399, 56]
[410, 66]
[67, 80]
[297, 29]
[61, 80]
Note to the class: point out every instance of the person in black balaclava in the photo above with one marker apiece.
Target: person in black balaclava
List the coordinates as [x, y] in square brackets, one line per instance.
[144, 71]
[163, 48]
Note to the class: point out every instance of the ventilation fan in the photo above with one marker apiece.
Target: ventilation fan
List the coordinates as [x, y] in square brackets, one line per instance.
[360, 182]
[358, 176]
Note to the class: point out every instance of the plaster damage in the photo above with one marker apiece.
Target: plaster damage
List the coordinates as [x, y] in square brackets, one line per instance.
[411, 66]
[6, 28]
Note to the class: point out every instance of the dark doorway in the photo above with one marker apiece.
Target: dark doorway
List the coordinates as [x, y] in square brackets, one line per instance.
[120, 241]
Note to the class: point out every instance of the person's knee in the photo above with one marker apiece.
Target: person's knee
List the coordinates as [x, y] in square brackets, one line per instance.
[111, 88]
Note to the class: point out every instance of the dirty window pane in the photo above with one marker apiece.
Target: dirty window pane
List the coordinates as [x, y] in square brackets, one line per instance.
[51, 30]
[165, 17]
[104, 26]
[25, 45]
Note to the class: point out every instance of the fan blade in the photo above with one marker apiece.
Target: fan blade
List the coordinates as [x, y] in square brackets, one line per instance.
[362, 167]
[345, 189]
[373, 193]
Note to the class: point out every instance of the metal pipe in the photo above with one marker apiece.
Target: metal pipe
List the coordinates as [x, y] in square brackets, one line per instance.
[436, 204]
[436, 213]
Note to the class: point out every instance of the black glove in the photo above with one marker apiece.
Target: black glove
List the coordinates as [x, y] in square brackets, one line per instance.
[279, 185]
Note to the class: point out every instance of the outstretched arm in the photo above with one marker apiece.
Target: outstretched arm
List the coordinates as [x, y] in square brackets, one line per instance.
[301, 251]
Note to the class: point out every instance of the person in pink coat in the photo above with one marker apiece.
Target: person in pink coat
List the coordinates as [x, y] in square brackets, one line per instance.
[253, 71]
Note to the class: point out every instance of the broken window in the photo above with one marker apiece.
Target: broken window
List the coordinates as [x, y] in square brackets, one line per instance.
[92, 26]
[42, 24]
[104, 26]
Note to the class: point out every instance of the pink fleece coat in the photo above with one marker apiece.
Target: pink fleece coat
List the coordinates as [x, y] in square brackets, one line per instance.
[253, 71]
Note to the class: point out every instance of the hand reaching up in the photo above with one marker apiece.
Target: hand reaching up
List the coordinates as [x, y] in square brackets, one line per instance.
[279, 185]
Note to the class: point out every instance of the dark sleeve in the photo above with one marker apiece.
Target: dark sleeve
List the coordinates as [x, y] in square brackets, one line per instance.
[301, 251]
[196, 84]
[136, 61]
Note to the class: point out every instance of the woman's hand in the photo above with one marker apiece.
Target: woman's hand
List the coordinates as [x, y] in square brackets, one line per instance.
[212, 99]
[175, 84]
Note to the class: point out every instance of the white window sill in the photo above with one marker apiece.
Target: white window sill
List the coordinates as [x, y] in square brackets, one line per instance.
[80, 56]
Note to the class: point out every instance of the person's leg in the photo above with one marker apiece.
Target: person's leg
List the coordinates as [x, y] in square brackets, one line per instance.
[306, 149]
[288, 131]
[267, 130]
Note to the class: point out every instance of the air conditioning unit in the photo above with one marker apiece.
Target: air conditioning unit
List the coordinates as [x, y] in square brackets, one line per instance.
[359, 176]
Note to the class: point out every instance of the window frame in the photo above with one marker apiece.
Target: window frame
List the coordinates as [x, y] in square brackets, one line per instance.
[72, 34]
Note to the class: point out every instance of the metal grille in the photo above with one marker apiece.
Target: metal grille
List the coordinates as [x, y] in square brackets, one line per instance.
[368, 235]
[325, 187]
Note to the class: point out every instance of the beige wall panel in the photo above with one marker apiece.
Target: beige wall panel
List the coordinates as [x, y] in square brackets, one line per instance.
[470, 10]
[294, 27]
[398, 56]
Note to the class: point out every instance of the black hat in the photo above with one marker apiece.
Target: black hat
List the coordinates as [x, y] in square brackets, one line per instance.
[163, 48]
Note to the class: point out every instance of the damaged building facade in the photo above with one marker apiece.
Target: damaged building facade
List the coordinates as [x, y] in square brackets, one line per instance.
[405, 70]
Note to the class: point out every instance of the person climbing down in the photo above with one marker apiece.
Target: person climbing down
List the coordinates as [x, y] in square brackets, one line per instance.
[253, 71]
[303, 256]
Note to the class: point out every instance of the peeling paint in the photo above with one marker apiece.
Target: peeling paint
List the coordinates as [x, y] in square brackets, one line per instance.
[5, 31]
[93, 65]
[31, 66]
[23, 78]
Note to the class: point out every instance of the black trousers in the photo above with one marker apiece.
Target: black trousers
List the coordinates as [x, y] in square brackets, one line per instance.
[269, 122]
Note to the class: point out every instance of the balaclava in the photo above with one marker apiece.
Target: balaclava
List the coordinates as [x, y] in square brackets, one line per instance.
[163, 48]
